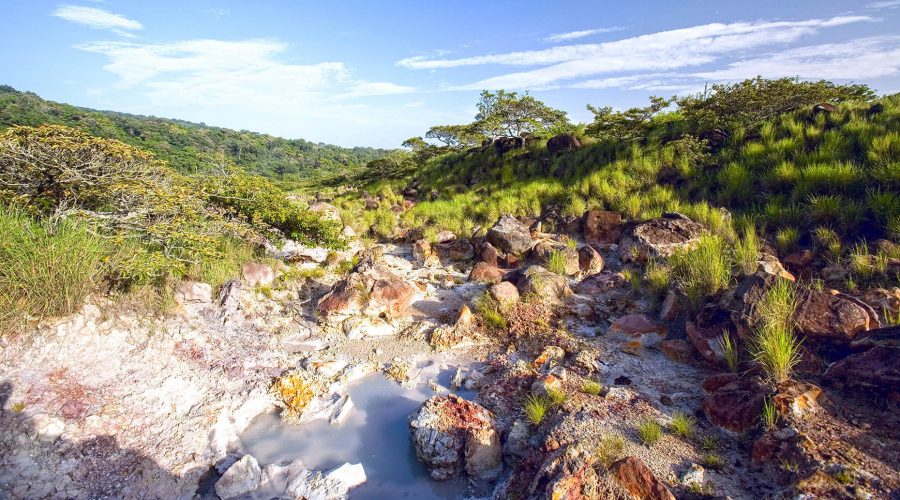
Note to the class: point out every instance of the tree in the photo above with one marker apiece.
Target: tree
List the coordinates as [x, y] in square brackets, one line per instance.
[506, 113]
[629, 125]
[455, 136]
[753, 101]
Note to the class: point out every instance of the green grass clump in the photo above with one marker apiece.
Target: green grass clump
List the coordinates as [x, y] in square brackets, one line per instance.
[769, 415]
[730, 351]
[557, 397]
[556, 262]
[843, 476]
[535, 408]
[490, 312]
[682, 424]
[658, 276]
[774, 346]
[829, 243]
[786, 239]
[610, 449]
[701, 271]
[746, 251]
[649, 431]
[591, 387]
[47, 268]
[709, 443]
[712, 460]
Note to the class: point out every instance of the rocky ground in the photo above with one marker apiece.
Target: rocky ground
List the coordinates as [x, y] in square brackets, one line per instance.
[108, 403]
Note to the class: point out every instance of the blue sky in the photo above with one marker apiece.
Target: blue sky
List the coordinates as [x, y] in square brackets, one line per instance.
[376, 73]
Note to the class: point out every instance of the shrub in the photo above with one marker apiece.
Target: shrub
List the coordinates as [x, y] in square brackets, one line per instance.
[774, 345]
[682, 424]
[701, 271]
[649, 431]
[536, 408]
[47, 268]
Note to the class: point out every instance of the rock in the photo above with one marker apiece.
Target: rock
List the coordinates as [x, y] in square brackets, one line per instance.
[597, 284]
[795, 399]
[799, 260]
[770, 265]
[716, 138]
[489, 254]
[636, 478]
[733, 403]
[241, 478]
[548, 358]
[543, 386]
[777, 447]
[694, 477]
[292, 251]
[46, 428]
[444, 338]
[510, 235]
[707, 341]
[876, 371]
[505, 144]
[822, 316]
[444, 237]
[459, 249]
[678, 350]
[671, 307]
[451, 434]
[464, 318]
[256, 274]
[193, 292]
[601, 227]
[485, 273]
[659, 238]
[639, 327]
[371, 289]
[543, 251]
[549, 287]
[276, 477]
[421, 252]
[326, 211]
[883, 300]
[342, 411]
[517, 441]
[505, 293]
[360, 327]
[562, 142]
[589, 260]
[822, 108]
[335, 485]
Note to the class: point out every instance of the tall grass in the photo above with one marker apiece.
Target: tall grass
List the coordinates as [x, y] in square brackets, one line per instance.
[47, 268]
[774, 346]
[746, 250]
[701, 271]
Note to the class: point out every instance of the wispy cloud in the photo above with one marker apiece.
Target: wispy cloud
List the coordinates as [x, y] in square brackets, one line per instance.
[98, 19]
[574, 35]
[886, 4]
[662, 51]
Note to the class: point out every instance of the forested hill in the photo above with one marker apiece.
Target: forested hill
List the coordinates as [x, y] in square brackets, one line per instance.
[185, 145]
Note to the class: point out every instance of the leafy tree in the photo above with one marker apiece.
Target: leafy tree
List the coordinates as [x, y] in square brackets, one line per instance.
[753, 101]
[503, 113]
[625, 126]
[455, 136]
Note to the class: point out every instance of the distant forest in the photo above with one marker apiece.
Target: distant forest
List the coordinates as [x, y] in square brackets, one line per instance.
[188, 146]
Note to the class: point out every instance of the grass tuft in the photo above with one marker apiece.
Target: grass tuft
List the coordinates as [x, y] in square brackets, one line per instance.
[730, 351]
[775, 347]
[591, 387]
[610, 449]
[556, 262]
[649, 431]
[701, 271]
[682, 424]
[536, 407]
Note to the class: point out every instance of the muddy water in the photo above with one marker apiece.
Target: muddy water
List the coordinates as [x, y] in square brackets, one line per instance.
[376, 434]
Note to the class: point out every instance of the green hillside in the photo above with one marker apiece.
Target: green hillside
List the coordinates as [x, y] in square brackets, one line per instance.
[185, 145]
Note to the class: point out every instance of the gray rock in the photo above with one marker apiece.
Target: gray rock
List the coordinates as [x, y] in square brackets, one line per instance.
[510, 235]
[241, 478]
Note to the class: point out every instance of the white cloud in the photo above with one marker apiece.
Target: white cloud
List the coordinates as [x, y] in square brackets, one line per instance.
[98, 19]
[244, 84]
[886, 4]
[661, 51]
[573, 35]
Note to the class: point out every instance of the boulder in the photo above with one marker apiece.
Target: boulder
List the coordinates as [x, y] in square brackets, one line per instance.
[510, 235]
[660, 238]
[485, 273]
[875, 372]
[733, 403]
[601, 227]
[505, 144]
[457, 250]
[256, 274]
[639, 327]
[451, 434]
[292, 251]
[326, 211]
[549, 287]
[505, 293]
[193, 292]
[543, 251]
[444, 236]
[422, 252]
[597, 284]
[488, 254]
[637, 479]
[795, 399]
[562, 142]
[770, 265]
[240, 479]
[334, 485]
[589, 260]
[707, 341]
[780, 446]
[827, 317]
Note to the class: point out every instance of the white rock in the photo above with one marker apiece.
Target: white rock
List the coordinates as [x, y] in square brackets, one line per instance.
[193, 292]
[256, 274]
[240, 479]
[313, 485]
[694, 476]
[275, 477]
[362, 327]
[342, 411]
[47, 427]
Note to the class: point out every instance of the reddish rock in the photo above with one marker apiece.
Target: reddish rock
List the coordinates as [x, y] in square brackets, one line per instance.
[671, 307]
[589, 260]
[485, 273]
[371, 288]
[543, 250]
[394, 295]
[459, 249]
[660, 237]
[596, 284]
[421, 251]
[562, 142]
[326, 211]
[770, 265]
[547, 286]
[678, 350]
[464, 318]
[775, 448]
[736, 405]
[822, 316]
[799, 260]
[641, 327]
[795, 399]
[876, 371]
[706, 341]
[636, 478]
[444, 237]
[601, 227]
[489, 254]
